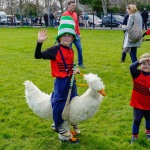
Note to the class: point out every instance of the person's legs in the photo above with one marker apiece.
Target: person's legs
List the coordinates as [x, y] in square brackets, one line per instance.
[57, 112]
[58, 107]
[138, 115]
[145, 23]
[78, 46]
[133, 54]
[147, 123]
[123, 57]
[58, 100]
[143, 26]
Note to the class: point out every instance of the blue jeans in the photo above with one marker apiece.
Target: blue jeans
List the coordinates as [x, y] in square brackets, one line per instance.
[123, 56]
[138, 115]
[133, 54]
[78, 46]
[59, 97]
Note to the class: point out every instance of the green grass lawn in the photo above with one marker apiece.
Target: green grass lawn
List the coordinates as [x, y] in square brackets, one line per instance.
[109, 129]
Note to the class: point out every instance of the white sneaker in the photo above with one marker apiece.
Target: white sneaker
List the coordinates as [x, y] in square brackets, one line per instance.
[60, 130]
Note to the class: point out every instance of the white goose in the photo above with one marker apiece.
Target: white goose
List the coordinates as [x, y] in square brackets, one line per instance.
[81, 107]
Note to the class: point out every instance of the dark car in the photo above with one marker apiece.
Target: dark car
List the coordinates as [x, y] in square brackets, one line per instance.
[116, 21]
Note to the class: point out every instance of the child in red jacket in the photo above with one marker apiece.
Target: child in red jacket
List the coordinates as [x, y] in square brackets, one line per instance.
[140, 99]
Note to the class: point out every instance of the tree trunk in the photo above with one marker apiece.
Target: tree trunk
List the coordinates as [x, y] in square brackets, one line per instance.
[21, 14]
[104, 4]
[61, 5]
[37, 7]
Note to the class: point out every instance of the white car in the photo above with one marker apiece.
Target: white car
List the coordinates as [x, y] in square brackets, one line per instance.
[97, 21]
[3, 18]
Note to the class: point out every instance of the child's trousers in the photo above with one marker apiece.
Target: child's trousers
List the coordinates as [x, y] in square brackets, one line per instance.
[59, 97]
[138, 115]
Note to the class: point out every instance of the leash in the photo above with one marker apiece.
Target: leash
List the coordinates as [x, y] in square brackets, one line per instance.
[65, 113]
[81, 84]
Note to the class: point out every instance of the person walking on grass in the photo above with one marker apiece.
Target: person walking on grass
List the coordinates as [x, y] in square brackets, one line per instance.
[61, 58]
[131, 47]
[71, 12]
[140, 99]
[125, 20]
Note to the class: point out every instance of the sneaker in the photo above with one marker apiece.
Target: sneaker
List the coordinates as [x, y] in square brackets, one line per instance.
[134, 139]
[74, 140]
[82, 66]
[63, 131]
[75, 128]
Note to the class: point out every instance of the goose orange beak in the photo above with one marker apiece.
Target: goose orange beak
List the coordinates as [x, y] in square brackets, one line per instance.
[102, 92]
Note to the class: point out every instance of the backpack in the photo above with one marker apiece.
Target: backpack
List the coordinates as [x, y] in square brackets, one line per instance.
[135, 34]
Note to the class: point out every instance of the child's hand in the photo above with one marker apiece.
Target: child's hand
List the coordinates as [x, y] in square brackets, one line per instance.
[76, 71]
[42, 35]
[144, 60]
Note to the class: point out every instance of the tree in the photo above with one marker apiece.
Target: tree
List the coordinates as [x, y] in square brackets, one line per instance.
[61, 5]
[104, 4]
[96, 5]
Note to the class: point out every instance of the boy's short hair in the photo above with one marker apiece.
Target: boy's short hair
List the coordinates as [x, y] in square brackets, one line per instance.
[146, 55]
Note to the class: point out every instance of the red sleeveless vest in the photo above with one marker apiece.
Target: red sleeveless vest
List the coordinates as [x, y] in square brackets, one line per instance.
[57, 66]
[141, 92]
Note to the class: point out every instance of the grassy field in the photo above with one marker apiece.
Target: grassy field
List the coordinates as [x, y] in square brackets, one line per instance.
[109, 129]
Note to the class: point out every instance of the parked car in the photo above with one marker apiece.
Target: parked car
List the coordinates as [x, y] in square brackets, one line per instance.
[37, 21]
[27, 22]
[3, 18]
[117, 21]
[97, 21]
[12, 20]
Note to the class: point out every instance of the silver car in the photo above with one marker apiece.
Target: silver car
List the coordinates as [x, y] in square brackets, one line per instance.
[97, 21]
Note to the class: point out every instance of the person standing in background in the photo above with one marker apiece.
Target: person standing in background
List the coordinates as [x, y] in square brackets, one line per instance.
[86, 20]
[144, 15]
[125, 21]
[71, 12]
[51, 19]
[46, 19]
[81, 20]
[131, 47]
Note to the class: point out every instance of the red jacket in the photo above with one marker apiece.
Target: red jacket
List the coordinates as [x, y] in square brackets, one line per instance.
[141, 94]
[75, 18]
